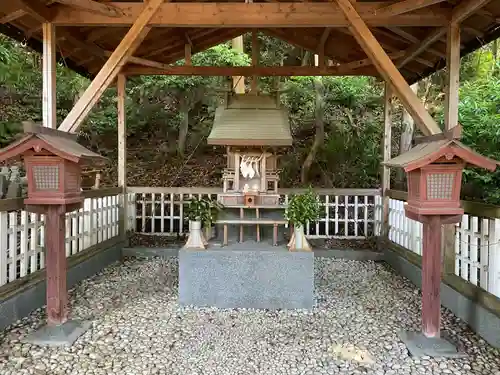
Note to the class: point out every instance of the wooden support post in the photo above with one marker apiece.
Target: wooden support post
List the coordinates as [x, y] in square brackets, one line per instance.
[386, 152]
[451, 120]
[255, 61]
[122, 151]
[431, 276]
[187, 54]
[238, 81]
[387, 69]
[111, 68]
[453, 75]
[55, 261]
[49, 76]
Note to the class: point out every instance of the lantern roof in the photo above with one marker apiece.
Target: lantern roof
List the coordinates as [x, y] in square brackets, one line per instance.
[57, 142]
[437, 147]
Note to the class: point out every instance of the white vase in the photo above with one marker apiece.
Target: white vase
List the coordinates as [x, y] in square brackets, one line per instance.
[299, 242]
[196, 239]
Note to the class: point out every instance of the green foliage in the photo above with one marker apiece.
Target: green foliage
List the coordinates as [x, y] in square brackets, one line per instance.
[303, 208]
[204, 210]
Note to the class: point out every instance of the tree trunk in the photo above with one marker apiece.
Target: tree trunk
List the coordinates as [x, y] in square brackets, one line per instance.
[184, 126]
[406, 134]
[319, 137]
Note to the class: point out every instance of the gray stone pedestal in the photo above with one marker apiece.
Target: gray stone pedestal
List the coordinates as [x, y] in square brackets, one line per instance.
[419, 345]
[246, 276]
[61, 335]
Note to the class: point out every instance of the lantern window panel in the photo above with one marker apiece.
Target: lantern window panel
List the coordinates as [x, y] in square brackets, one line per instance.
[440, 185]
[46, 177]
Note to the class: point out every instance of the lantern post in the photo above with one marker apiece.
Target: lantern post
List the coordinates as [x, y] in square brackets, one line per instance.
[434, 174]
[53, 161]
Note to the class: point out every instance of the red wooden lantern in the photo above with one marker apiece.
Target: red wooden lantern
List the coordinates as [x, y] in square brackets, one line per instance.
[434, 170]
[53, 161]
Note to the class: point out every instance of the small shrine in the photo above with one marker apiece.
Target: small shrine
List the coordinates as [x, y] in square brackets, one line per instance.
[253, 128]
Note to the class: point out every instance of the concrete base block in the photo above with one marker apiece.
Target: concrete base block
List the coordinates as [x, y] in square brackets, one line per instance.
[419, 345]
[61, 335]
[266, 278]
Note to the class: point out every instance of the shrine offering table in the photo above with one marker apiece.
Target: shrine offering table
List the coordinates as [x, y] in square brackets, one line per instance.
[256, 220]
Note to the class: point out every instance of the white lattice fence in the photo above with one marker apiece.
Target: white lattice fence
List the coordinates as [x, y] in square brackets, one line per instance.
[22, 234]
[347, 213]
[477, 245]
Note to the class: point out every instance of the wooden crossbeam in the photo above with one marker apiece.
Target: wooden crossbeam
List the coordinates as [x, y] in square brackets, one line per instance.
[463, 10]
[13, 16]
[302, 14]
[111, 68]
[93, 6]
[387, 69]
[40, 12]
[244, 71]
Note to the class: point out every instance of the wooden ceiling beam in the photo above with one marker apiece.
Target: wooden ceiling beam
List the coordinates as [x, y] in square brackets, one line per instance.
[267, 71]
[36, 9]
[221, 36]
[93, 6]
[406, 37]
[459, 13]
[404, 6]
[111, 68]
[387, 69]
[13, 16]
[227, 15]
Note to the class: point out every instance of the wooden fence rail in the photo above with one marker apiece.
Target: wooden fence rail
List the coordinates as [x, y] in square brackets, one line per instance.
[22, 234]
[347, 213]
[477, 240]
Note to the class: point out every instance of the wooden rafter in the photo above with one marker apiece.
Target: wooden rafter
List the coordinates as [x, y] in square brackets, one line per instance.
[39, 11]
[305, 14]
[111, 68]
[387, 69]
[13, 16]
[405, 37]
[240, 71]
[459, 13]
[404, 6]
[93, 6]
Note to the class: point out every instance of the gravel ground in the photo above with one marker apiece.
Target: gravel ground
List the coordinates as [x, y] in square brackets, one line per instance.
[138, 328]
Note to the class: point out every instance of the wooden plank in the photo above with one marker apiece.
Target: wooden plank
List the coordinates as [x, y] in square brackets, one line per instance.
[388, 70]
[49, 99]
[420, 46]
[109, 71]
[299, 14]
[93, 6]
[187, 53]
[404, 6]
[386, 155]
[39, 11]
[453, 76]
[122, 130]
[13, 16]
[463, 10]
[246, 71]
[255, 61]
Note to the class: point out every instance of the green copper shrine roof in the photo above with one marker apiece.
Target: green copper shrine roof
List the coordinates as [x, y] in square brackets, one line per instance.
[251, 120]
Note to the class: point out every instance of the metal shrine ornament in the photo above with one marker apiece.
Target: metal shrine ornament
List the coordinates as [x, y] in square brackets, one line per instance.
[53, 161]
[434, 169]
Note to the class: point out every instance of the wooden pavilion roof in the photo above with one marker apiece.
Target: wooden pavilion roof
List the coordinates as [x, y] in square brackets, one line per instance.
[413, 32]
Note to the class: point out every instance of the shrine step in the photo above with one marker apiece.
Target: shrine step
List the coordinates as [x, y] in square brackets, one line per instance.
[264, 279]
